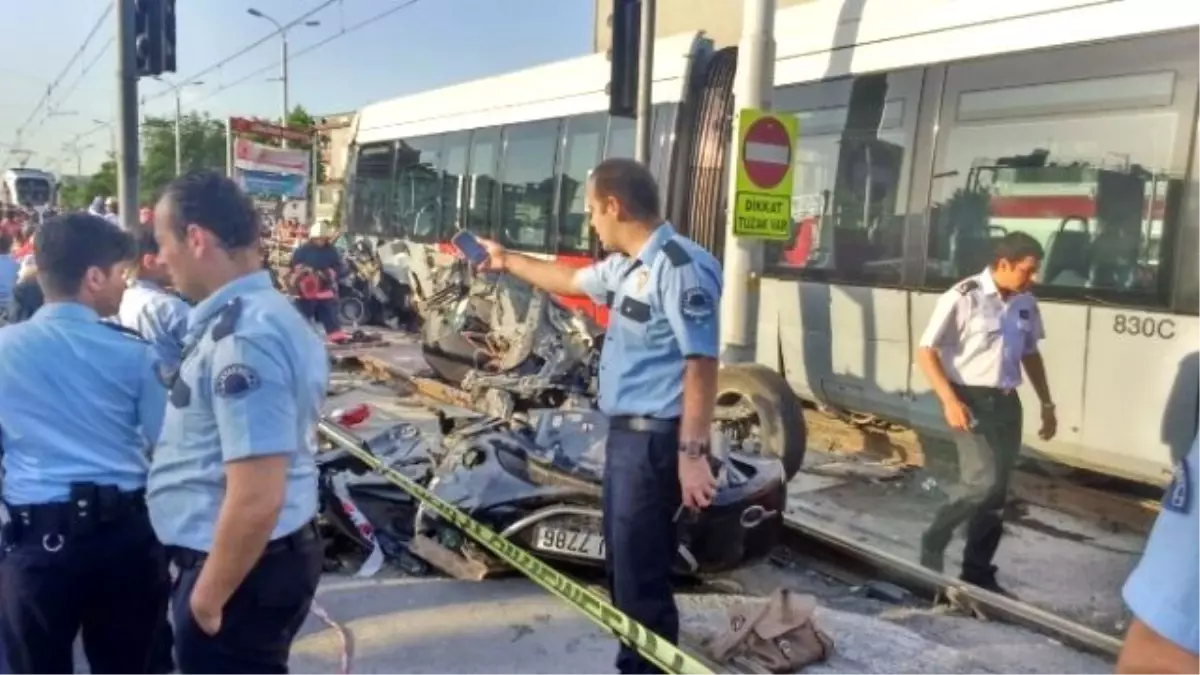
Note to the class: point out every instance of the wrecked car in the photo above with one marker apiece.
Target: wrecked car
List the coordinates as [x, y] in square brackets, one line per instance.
[537, 483]
[512, 348]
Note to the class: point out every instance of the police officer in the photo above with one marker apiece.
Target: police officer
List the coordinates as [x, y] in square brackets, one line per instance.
[148, 308]
[657, 383]
[233, 485]
[79, 402]
[982, 331]
[1164, 589]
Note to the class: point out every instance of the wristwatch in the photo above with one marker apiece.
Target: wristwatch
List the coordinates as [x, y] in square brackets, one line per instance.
[695, 449]
[1048, 405]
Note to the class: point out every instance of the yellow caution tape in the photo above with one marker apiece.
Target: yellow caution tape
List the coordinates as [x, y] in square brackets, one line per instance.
[653, 647]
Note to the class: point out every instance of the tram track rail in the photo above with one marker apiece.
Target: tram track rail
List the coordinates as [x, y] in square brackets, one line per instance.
[825, 550]
[855, 561]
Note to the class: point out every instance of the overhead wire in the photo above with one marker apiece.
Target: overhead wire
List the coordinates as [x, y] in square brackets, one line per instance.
[346, 30]
[44, 101]
[217, 65]
[86, 69]
[243, 51]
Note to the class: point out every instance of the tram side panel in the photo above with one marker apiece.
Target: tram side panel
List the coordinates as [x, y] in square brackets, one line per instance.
[1140, 393]
[844, 346]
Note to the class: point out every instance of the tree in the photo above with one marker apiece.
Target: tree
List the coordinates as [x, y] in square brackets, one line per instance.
[103, 183]
[204, 147]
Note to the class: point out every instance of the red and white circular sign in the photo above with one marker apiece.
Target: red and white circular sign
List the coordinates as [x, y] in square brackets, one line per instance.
[766, 152]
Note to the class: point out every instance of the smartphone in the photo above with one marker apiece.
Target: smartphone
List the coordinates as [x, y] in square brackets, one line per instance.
[470, 247]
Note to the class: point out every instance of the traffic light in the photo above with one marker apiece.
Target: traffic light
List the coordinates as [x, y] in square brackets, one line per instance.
[154, 37]
[168, 36]
[626, 23]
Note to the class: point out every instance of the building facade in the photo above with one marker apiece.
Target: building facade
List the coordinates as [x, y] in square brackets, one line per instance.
[335, 133]
[720, 19]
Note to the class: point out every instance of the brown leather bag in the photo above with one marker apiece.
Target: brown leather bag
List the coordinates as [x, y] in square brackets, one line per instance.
[778, 636]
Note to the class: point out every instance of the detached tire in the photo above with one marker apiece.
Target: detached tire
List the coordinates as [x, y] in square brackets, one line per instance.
[781, 424]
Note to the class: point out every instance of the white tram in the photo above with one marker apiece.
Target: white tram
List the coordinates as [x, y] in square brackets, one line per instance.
[927, 129]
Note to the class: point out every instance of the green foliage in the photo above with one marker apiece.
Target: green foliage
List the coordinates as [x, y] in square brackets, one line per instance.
[203, 141]
[204, 147]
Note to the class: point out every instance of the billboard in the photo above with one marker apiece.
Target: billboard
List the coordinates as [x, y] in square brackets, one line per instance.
[263, 170]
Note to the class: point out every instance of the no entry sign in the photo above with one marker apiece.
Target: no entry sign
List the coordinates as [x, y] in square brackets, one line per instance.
[766, 152]
[762, 206]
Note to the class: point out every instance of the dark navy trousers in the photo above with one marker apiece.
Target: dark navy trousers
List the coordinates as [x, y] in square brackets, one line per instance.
[111, 585]
[324, 310]
[641, 499]
[259, 621]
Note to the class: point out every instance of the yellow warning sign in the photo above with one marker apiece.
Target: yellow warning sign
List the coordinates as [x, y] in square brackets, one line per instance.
[762, 207]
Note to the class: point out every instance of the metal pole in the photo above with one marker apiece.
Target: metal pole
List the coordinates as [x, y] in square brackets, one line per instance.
[743, 257]
[127, 115]
[178, 135]
[229, 147]
[284, 77]
[645, 109]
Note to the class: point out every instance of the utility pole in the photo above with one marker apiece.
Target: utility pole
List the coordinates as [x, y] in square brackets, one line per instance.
[645, 103]
[177, 90]
[743, 257]
[283, 62]
[127, 113]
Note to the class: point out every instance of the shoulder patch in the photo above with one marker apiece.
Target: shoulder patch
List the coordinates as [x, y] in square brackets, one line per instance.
[227, 320]
[1178, 496]
[123, 329]
[676, 253]
[697, 304]
[968, 286]
[235, 380]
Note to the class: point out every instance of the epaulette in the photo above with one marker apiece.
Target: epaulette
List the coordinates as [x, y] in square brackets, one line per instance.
[124, 329]
[968, 286]
[676, 253]
[227, 319]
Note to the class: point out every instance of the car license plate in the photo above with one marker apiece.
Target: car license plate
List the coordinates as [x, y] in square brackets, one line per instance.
[570, 542]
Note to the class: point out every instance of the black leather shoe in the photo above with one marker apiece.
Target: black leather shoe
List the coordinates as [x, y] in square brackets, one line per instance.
[988, 583]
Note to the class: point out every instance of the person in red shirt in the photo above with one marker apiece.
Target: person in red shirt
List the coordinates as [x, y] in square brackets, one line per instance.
[23, 243]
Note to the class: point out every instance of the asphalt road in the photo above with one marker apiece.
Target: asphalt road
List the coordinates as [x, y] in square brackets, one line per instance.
[434, 625]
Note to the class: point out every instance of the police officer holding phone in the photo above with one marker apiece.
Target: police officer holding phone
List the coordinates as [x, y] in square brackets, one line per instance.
[658, 374]
[233, 485]
[80, 403]
[980, 334]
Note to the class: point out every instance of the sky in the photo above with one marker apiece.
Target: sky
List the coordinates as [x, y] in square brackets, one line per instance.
[428, 44]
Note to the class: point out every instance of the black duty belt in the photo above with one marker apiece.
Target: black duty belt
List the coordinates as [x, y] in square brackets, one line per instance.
[653, 425]
[91, 508]
[976, 390]
[188, 558]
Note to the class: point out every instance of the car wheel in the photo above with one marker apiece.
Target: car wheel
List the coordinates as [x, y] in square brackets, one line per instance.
[774, 413]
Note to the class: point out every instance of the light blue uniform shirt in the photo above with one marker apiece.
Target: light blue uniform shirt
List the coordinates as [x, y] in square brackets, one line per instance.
[78, 401]
[8, 278]
[1164, 590]
[159, 316]
[663, 309]
[251, 384]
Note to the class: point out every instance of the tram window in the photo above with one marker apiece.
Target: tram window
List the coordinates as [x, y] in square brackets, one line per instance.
[482, 184]
[1091, 165]
[454, 178]
[850, 195]
[585, 139]
[416, 198]
[622, 133]
[527, 201]
[371, 189]
[1187, 289]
